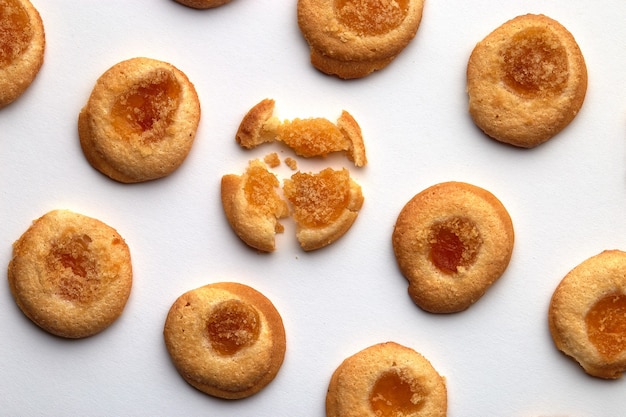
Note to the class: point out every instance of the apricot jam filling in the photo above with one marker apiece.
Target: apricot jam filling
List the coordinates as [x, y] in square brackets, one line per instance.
[233, 325]
[535, 64]
[260, 191]
[15, 31]
[318, 199]
[394, 395]
[454, 244]
[371, 17]
[148, 107]
[72, 269]
[312, 137]
[606, 325]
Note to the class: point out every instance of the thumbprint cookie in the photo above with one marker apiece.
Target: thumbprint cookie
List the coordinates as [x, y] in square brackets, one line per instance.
[452, 241]
[22, 45]
[253, 207]
[225, 339]
[587, 314]
[386, 379]
[325, 205]
[202, 4]
[526, 81]
[70, 274]
[311, 137]
[140, 121]
[353, 38]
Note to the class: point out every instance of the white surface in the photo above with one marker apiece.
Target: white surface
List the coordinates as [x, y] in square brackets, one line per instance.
[566, 199]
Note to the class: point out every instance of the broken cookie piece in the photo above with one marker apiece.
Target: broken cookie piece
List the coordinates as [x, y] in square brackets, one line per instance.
[311, 137]
[325, 205]
[253, 206]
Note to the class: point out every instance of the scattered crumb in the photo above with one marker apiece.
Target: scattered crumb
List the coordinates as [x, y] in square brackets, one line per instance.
[291, 163]
[272, 160]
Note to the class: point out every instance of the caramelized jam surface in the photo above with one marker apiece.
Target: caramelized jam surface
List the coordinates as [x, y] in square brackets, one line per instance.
[148, 107]
[454, 244]
[535, 63]
[606, 325]
[15, 31]
[72, 269]
[233, 325]
[260, 190]
[318, 199]
[371, 17]
[395, 396]
[312, 137]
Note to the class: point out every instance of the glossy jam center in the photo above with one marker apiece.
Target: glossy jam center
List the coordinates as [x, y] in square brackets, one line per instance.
[233, 325]
[318, 199]
[147, 108]
[393, 396]
[15, 31]
[535, 63]
[73, 270]
[371, 17]
[606, 325]
[454, 244]
[312, 137]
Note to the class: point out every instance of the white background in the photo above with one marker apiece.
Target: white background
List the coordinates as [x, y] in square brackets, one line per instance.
[566, 198]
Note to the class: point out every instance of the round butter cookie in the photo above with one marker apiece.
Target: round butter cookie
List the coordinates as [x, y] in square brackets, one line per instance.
[22, 45]
[587, 314]
[526, 81]
[353, 38]
[202, 4]
[386, 379]
[225, 339]
[70, 274]
[140, 121]
[452, 241]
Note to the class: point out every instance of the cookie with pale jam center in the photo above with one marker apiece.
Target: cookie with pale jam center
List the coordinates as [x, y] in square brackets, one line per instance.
[70, 274]
[526, 81]
[22, 46]
[587, 314]
[140, 120]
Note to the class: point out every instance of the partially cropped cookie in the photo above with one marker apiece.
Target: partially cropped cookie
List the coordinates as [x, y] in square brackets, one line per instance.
[22, 45]
[70, 274]
[452, 241]
[225, 339]
[324, 204]
[353, 38]
[253, 207]
[587, 314]
[386, 379]
[202, 4]
[140, 121]
[526, 81]
[311, 137]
